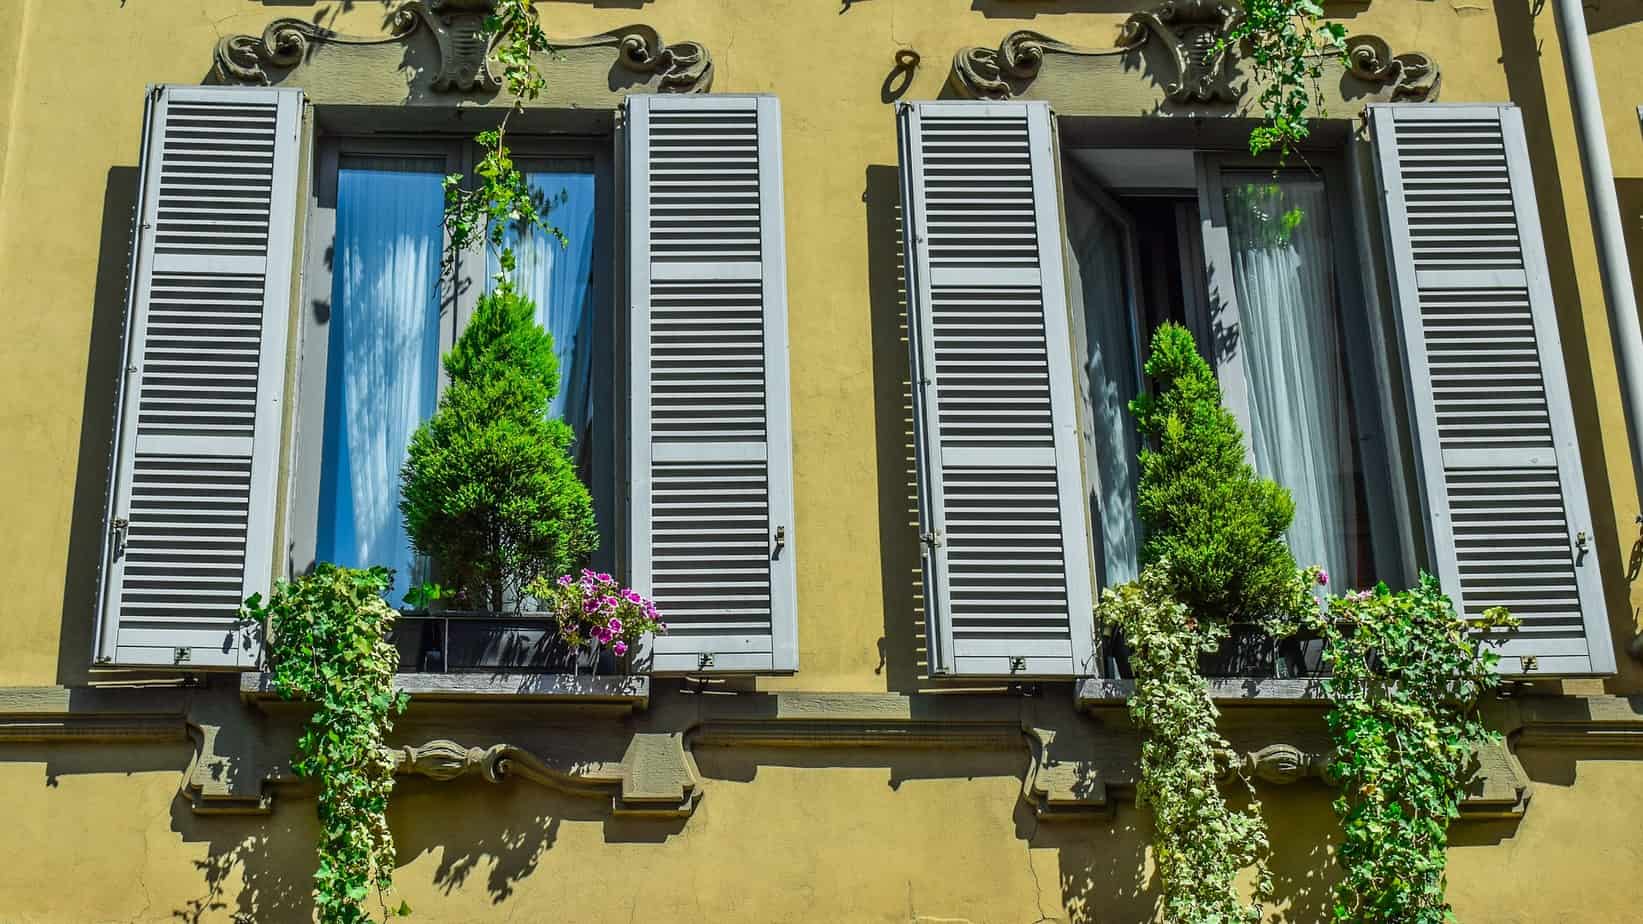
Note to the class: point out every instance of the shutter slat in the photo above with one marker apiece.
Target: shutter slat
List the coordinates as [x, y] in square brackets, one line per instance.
[1504, 492]
[712, 455]
[1008, 586]
[198, 426]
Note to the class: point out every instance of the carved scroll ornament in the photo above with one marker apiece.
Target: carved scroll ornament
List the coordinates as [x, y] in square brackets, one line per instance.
[1181, 44]
[464, 51]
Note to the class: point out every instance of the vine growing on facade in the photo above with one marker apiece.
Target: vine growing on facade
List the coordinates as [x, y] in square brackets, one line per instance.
[1406, 675]
[328, 646]
[1288, 42]
[1214, 556]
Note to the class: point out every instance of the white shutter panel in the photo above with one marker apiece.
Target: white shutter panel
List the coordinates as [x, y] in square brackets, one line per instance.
[711, 506]
[1504, 493]
[1006, 541]
[192, 506]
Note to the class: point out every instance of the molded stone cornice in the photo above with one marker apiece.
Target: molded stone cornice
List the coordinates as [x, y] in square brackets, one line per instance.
[1169, 60]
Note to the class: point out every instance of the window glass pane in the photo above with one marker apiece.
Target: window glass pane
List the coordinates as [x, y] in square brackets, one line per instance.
[1108, 378]
[382, 371]
[1302, 424]
[559, 280]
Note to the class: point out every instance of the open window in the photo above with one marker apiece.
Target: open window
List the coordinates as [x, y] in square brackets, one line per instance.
[1156, 226]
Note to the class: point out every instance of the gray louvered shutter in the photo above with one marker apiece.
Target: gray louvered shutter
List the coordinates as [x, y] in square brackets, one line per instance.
[1504, 493]
[1006, 538]
[711, 497]
[191, 513]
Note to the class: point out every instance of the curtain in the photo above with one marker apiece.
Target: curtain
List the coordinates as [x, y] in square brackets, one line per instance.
[558, 279]
[382, 370]
[1108, 381]
[1290, 337]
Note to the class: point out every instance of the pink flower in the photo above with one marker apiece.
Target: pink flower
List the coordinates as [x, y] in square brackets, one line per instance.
[1323, 578]
[621, 648]
[615, 625]
[566, 580]
[603, 578]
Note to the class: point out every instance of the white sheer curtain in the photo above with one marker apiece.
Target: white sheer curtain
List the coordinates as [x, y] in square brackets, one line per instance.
[382, 370]
[1290, 339]
[1107, 381]
[558, 279]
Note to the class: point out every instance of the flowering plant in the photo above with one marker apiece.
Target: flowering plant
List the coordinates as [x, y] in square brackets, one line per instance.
[595, 610]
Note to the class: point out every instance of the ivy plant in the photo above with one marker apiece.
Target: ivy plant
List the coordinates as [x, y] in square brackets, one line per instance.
[1288, 41]
[328, 646]
[1406, 675]
[1200, 844]
[1214, 555]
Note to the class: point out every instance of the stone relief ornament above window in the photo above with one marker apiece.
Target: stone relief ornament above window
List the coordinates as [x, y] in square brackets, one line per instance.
[439, 47]
[1166, 60]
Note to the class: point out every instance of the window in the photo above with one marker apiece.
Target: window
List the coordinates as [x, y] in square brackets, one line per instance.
[685, 440]
[1273, 307]
[1032, 279]
[382, 313]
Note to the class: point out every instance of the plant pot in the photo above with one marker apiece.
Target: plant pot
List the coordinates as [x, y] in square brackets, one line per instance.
[1247, 651]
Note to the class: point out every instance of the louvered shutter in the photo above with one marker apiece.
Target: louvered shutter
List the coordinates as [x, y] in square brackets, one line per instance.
[1006, 537]
[1504, 493]
[191, 516]
[711, 494]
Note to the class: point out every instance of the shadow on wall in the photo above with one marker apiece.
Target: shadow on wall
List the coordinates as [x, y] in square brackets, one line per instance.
[103, 361]
[1521, 57]
[902, 650]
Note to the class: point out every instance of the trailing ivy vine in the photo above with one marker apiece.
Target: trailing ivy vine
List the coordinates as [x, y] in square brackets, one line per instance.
[328, 646]
[1406, 675]
[1288, 41]
[1214, 556]
[1200, 843]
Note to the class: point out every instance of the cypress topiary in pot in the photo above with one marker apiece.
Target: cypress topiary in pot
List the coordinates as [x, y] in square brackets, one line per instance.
[490, 489]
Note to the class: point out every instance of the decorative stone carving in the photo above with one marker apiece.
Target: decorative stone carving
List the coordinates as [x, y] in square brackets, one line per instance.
[1276, 763]
[1193, 31]
[1410, 76]
[1171, 59]
[986, 73]
[286, 43]
[463, 66]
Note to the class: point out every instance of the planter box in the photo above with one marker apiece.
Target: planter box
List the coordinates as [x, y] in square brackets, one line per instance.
[482, 642]
[1247, 652]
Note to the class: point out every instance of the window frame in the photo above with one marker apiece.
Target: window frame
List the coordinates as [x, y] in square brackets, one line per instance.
[459, 293]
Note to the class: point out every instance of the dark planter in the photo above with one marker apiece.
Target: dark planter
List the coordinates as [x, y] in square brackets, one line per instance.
[1247, 651]
[483, 642]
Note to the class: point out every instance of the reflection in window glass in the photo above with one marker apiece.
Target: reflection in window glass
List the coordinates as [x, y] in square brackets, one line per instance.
[1301, 415]
[382, 370]
[559, 280]
[1108, 379]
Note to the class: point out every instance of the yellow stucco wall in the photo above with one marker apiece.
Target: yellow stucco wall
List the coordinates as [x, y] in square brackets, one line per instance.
[818, 837]
[96, 833]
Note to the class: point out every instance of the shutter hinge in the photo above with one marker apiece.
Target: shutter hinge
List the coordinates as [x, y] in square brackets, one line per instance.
[182, 655]
[704, 660]
[781, 540]
[119, 529]
[1017, 664]
[1529, 663]
[934, 539]
[1582, 546]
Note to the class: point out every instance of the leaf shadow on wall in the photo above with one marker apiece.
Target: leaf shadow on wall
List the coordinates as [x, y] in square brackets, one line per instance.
[902, 649]
[257, 868]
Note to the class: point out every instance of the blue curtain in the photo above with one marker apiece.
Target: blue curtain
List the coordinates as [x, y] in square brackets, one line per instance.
[382, 372]
[558, 280]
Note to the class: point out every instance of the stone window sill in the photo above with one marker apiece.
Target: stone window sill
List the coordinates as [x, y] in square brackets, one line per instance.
[1226, 691]
[622, 693]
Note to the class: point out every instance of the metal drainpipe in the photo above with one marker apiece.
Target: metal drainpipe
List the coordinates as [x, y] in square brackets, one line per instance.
[1618, 293]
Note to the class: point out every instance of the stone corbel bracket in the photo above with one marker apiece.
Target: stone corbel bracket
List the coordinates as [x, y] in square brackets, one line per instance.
[334, 67]
[655, 777]
[1171, 60]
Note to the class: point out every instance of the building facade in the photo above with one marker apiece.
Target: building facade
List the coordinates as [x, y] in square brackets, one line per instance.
[852, 301]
